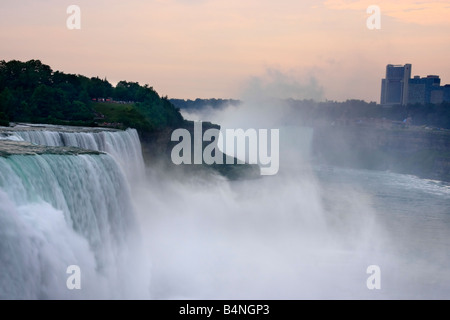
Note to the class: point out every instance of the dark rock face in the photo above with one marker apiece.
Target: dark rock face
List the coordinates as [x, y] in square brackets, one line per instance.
[157, 147]
[417, 151]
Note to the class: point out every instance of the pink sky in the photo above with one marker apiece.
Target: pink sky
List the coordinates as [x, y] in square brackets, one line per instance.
[228, 48]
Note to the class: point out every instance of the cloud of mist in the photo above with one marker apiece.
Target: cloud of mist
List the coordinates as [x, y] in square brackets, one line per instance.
[281, 85]
[266, 239]
[288, 236]
[263, 101]
[277, 237]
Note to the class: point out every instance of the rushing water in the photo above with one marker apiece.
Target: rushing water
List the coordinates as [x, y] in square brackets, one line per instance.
[308, 232]
[63, 206]
[124, 146]
[415, 215]
[305, 233]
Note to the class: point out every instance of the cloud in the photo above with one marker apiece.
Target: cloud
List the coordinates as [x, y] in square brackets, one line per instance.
[277, 84]
[416, 12]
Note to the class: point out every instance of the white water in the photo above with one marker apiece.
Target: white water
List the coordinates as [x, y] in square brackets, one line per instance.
[124, 146]
[269, 238]
[302, 234]
[58, 210]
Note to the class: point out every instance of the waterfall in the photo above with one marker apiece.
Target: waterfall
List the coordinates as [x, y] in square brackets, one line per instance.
[124, 146]
[60, 207]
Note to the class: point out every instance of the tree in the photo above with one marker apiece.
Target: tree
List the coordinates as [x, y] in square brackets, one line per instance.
[6, 103]
[98, 88]
[31, 92]
[27, 75]
[47, 101]
[79, 111]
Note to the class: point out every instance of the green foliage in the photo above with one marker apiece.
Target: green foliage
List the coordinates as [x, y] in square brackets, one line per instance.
[79, 111]
[31, 92]
[160, 112]
[48, 102]
[132, 91]
[199, 104]
[26, 75]
[4, 121]
[6, 103]
[123, 116]
[98, 88]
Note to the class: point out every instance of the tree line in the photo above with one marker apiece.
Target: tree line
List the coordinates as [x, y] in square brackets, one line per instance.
[433, 115]
[32, 92]
[306, 112]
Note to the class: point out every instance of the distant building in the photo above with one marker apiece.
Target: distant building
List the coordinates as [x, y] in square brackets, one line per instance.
[446, 92]
[394, 88]
[425, 90]
[399, 88]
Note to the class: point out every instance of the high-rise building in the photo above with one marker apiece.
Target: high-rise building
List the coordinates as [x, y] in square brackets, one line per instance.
[394, 88]
[425, 90]
[446, 93]
[399, 89]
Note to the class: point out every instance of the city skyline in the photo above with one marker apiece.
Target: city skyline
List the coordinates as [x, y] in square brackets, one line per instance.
[229, 49]
[398, 87]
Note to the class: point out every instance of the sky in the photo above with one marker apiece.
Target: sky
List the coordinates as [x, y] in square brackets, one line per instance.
[191, 49]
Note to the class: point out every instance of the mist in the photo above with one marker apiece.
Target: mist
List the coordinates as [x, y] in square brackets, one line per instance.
[266, 239]
[293, 235]
[276, 237]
